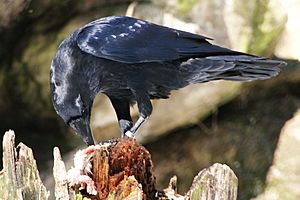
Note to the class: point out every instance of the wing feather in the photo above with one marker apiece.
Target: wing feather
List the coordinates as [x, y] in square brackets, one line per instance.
[131, 40]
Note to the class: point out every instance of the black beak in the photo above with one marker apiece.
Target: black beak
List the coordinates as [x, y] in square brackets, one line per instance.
[82, 128]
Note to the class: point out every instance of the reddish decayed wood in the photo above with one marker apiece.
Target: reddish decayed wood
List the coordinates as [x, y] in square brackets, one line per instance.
[112, 165]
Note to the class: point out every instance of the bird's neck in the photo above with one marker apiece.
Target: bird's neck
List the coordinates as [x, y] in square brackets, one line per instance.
[94, 78]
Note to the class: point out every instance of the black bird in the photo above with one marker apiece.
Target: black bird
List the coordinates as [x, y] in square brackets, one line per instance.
[132, 60]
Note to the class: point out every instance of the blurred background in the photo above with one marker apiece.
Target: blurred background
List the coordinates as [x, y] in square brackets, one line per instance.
[252, 127]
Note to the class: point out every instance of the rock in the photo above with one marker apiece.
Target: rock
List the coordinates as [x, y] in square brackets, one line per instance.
[283, 179]
[9, 10]
[288, 45]
[252, 26]
[187, 106]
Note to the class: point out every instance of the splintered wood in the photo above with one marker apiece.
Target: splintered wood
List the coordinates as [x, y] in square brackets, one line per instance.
[122, 168]
[20, 179]
[113, 170]
[119, 169]
[101, 172]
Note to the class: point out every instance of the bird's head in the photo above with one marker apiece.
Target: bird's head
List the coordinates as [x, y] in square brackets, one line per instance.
[72, 99]
[76, 112]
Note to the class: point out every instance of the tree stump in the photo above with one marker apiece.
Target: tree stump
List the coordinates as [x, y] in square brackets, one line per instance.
[113, 170]
[20, 177]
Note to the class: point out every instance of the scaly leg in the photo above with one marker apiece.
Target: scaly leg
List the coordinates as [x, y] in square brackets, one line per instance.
[145, 110]
[122, 109]
[132, 131]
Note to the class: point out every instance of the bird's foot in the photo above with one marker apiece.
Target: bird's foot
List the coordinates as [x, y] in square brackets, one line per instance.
[129, 134]
[79, 174]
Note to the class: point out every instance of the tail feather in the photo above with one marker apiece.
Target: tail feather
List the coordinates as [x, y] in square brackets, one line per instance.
[234, 68]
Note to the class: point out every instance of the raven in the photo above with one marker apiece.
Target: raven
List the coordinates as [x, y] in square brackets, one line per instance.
[132, 60]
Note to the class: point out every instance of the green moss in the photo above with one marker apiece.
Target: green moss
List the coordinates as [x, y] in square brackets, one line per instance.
[79, 196]
[184, 6]
[33, 71]
[37, 59]
[261, 30]
[197, 193]
[265, 32]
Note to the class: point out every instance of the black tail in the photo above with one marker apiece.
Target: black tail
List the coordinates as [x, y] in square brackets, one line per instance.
[230, 67]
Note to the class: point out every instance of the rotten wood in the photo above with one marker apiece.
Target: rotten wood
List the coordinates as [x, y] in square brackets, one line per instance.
[121, 169]
[101, 171]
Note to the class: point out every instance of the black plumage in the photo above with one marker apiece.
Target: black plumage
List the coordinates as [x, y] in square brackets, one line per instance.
[132, 60]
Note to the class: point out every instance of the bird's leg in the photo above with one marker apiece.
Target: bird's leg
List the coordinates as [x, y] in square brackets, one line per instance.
[145, 110]
[122, 109]
[135, 127]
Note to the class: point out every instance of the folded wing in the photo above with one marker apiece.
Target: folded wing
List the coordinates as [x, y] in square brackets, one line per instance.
[130, 40]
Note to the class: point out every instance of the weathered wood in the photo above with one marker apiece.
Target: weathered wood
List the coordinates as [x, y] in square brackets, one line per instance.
[20, 178]
[109, 174]
[121, 169]
[217, 182]
[60, 178]
[171, 191]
